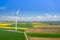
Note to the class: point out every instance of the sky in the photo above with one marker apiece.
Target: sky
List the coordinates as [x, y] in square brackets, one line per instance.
[30, 10]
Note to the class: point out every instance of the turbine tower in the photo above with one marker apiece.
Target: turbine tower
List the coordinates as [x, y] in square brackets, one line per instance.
[16, 15]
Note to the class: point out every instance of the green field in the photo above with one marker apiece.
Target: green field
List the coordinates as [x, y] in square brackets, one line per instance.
[44, 35]
[10, 35]
[13, 35]
[26, 25]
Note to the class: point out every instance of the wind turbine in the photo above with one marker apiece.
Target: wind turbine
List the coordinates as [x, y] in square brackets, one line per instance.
[16, 16]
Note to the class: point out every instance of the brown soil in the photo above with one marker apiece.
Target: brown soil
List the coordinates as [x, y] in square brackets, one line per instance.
[43, 30]
[35, 38]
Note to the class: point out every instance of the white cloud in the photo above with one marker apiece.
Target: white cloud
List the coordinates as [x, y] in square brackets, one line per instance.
[37, 18]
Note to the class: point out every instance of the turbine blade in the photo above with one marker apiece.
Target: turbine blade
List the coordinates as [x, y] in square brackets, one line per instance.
[17, 11]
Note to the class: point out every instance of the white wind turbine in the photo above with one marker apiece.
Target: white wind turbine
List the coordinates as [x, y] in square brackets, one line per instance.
[16, 15]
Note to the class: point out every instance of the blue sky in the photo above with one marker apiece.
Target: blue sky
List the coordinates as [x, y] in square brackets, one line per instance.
[30, 8]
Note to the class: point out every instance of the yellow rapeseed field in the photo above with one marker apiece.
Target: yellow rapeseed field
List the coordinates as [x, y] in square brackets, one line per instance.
[22, 28]
[4, 25]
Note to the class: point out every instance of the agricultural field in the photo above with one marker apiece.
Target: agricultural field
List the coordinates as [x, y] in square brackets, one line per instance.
[46, 24]
[32, 29]
[11, 35]
[43, 34]
[32, 24]
[8, 31]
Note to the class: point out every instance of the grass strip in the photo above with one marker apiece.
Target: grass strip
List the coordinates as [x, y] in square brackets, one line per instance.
[44, 35]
